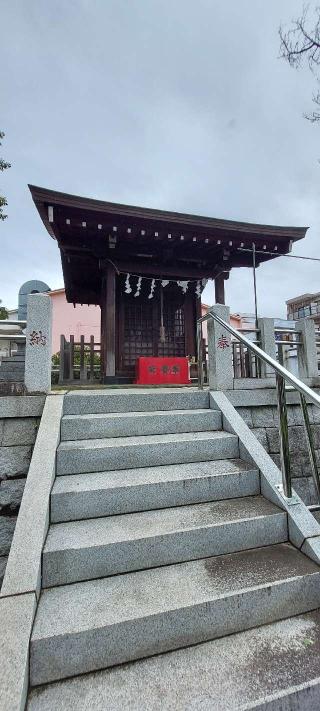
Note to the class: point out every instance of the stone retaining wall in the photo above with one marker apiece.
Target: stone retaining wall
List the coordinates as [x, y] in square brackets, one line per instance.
[263, 420]
[19, 421]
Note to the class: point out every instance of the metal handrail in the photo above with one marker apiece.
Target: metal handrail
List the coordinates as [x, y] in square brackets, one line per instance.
[282, 376]
[285, 328]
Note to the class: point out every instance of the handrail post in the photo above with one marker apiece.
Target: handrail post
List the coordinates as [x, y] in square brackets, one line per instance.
[200, 355]
[310, 445]
[284, 437]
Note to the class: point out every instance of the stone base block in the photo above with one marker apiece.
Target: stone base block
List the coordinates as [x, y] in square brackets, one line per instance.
[18, 431]
[3, 563]
[7, 526]
[14, 461]
[10, 495]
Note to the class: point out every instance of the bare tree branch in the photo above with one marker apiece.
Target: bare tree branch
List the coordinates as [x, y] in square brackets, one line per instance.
[4, 165]
[301, 43]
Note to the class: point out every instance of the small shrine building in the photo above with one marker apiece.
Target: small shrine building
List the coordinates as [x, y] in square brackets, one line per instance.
[147, 268]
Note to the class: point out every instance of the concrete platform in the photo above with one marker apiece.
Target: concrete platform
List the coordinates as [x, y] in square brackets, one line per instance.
[88, 626]
[76, 457]
[83, 550]
[133, 424]
[274, 667]
[81, 496]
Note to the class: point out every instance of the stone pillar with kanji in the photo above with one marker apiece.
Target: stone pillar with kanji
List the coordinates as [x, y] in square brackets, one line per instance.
[38, 344]
[220, 369]
[307, 350]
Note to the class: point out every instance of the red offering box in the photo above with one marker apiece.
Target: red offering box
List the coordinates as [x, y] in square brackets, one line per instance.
[156, 371]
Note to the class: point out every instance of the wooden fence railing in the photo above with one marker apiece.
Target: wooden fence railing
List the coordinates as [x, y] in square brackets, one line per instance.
[79, 360]
[245, 364]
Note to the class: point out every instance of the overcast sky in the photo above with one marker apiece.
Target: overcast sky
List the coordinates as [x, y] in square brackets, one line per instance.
[173, 104]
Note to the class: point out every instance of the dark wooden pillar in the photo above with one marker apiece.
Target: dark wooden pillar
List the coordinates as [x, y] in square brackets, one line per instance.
[198, 308]
[102, 330]
[108, 324]
[219, 289]
[190, 323]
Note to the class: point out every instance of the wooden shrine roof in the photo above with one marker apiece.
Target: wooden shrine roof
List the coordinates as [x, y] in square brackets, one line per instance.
[149, 241]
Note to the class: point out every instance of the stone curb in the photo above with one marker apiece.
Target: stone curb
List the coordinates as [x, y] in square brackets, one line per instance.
[255, 384]
[21, 585]
[302, 525]
[17, 615]
[23, 572]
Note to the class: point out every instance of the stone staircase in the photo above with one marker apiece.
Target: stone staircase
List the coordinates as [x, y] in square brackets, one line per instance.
[159, 539]
[12, 368]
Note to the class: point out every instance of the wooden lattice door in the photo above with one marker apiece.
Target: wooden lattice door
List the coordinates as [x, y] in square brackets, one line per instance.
[139, 328]
[137, 332]
[174, 330]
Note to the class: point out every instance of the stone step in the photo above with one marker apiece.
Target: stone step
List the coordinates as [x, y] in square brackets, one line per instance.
[11, 376]
[74, 427]
[92, 625]
[89, 455]
[12, 364]
[95, 548]
[14, 359]
[126, 400]
[81, 496]
[272, 667]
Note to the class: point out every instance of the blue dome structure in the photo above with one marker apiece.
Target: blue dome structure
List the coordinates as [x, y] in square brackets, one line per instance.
[29, 287]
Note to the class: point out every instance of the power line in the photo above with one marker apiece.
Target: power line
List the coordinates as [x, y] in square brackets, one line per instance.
[276, 254]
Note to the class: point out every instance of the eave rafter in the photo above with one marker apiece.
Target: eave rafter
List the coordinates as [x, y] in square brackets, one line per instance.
[201, 249]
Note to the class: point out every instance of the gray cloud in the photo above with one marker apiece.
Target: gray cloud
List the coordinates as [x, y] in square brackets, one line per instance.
[177, 105]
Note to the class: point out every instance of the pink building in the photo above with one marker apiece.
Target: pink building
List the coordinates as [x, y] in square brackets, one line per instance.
[66, 319]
